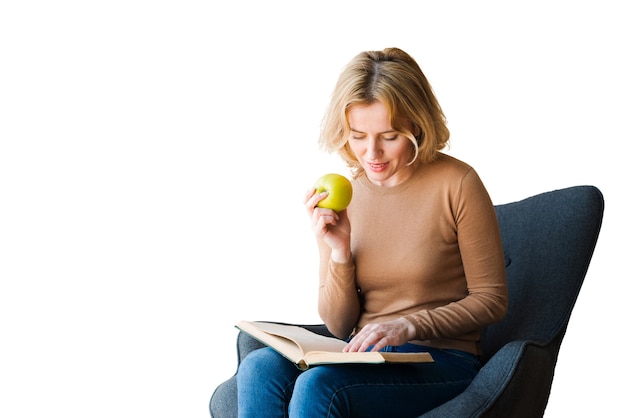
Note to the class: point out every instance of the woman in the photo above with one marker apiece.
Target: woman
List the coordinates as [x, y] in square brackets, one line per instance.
[414, 264]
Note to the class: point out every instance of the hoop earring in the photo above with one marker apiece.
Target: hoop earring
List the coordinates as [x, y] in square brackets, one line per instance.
[414, 159]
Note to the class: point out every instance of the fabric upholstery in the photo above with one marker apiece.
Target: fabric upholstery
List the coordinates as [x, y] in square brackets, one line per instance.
[548, 242]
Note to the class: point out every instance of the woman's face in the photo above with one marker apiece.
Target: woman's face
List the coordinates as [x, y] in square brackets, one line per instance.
[383, 152]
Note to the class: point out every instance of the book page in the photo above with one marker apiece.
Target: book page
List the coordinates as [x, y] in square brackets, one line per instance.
[307, 341]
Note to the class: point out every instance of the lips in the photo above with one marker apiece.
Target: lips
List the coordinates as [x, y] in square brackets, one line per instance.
[377, 167]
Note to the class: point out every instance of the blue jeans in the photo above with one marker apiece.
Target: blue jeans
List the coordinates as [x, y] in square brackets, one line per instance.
[271, 386]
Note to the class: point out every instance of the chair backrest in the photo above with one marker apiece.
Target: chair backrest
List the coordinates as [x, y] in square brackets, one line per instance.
[548, 242]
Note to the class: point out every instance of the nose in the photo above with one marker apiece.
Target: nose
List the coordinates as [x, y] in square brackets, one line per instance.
[373, 150]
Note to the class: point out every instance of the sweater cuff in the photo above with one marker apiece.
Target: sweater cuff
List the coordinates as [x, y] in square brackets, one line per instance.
[416, 323]
[341, 271]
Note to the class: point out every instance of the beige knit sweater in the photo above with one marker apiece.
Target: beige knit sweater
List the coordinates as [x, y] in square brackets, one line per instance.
[428, 249]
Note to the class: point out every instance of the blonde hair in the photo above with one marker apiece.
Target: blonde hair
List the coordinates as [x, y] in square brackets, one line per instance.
[393, 78]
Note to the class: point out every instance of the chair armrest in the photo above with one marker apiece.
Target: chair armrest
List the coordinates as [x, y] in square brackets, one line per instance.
[515, 382]
[223, 403]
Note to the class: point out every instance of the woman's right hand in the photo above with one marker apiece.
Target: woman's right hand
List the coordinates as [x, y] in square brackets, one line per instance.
[332, 227]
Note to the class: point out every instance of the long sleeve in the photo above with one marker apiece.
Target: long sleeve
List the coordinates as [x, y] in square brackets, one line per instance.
[483, 265]
[338, 301]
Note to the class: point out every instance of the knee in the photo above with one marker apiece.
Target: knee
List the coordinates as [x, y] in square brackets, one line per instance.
[311, 382]
[257, 363]
[316, 391]
[264, 383]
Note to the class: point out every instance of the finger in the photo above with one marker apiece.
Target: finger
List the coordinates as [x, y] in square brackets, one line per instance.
[358, 346]
[380, 344]
[325, 213]
[318, 197]
[314, 199]
[308, 194]
[351, 347]
[358, 343]
[322, 221]
[370, 338]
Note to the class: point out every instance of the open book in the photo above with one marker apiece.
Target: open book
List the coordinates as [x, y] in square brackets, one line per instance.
[305, 348]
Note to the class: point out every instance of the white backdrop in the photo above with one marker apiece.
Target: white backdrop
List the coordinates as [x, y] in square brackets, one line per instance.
[154, 155]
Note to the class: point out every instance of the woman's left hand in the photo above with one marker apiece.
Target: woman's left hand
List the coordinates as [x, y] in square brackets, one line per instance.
[396, 332]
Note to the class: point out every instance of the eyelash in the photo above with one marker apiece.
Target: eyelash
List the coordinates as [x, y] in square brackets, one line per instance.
[393, 138]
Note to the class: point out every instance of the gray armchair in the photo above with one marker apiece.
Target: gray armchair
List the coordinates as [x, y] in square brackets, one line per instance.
[548, 243]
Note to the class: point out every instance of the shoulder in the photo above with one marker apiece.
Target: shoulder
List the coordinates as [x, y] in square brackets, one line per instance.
[446, 168]
[455, 177]
[448, 162]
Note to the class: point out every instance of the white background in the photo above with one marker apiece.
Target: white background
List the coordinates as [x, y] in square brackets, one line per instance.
[154, 155]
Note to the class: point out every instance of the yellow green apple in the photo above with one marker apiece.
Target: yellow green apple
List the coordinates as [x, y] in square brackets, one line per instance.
[339, 191]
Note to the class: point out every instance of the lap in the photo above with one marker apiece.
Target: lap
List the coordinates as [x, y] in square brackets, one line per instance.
[363, 389]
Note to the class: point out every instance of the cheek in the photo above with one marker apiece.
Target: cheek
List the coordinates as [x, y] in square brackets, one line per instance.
[404, 151]
[356, 147]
